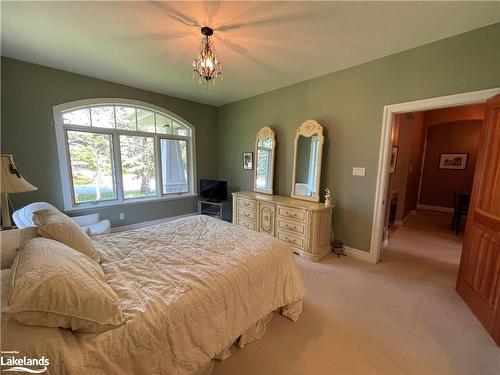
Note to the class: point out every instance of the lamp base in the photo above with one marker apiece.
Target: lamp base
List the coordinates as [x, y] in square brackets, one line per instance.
[4, 199]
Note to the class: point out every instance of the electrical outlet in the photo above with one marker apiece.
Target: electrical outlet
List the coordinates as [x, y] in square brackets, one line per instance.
[122, 216]
[358, 171]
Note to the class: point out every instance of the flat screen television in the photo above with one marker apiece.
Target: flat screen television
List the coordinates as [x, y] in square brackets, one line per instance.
[213, 190]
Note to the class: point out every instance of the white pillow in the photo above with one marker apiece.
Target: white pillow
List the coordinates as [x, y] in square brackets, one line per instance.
[54, 285]
[57, 226]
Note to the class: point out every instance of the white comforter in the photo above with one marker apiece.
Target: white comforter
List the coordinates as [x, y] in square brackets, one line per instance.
[188, 288]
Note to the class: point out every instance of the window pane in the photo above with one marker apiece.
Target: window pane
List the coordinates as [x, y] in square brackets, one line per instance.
[77, 117]
[180, 129]
[174, 166]
[125, 118]
[103, 117]
[91, 166]
[163, 124]
[145, 121]
[138, 166]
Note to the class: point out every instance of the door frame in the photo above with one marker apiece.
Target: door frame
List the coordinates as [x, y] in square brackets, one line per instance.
[382, 183]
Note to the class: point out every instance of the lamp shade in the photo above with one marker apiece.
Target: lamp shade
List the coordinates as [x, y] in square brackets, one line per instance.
[12, 181]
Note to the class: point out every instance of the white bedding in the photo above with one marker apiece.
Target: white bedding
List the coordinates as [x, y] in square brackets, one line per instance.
[188, 288]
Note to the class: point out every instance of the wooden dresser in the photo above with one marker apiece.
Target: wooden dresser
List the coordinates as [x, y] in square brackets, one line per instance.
[306, 226]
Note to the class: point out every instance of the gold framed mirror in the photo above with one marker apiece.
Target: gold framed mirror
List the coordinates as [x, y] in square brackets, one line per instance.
[264, 160]
[308, 152]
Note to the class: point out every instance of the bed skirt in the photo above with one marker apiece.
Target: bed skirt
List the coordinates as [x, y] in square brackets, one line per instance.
[253, 333]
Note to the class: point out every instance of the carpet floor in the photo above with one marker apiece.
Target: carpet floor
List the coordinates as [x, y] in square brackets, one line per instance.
[402, 316]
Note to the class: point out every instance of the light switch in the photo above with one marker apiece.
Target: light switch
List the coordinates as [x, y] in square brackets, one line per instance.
[358, 171]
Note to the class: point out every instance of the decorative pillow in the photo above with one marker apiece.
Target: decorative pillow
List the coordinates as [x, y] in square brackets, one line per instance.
[57, 226]
[54, 285]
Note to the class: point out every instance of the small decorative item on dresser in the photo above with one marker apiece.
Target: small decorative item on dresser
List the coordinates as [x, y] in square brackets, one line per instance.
[338, 248]
[248, 160]
[328, 198]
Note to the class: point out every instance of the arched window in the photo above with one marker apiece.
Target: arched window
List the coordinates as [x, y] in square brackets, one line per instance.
[117, 151]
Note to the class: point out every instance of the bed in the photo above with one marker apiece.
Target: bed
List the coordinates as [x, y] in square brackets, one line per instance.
[189, 289]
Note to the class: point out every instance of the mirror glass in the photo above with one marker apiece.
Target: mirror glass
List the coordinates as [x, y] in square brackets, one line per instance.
[264, 161]
[307, 166]
[307, 163]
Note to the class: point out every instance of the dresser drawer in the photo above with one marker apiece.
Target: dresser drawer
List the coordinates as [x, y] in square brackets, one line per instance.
[246, 223]
[292, 226]
[292, 239]
[246, 213]
[291, 213]
[246, 203]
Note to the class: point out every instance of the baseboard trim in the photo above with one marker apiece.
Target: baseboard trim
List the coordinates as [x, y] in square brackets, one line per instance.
[400, 223]
[359, 254]
[428, 207]
[149, 223]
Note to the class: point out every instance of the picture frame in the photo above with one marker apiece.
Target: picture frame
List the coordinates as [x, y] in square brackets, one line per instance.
[455, 161]
[394, 158]
[248, 160]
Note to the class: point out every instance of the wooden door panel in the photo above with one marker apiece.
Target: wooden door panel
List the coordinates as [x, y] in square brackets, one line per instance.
[487, 220]
[483, 268]
[478, 281]
[489, 199]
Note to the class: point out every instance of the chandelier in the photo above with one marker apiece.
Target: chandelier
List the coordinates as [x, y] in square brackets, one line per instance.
[206, 65]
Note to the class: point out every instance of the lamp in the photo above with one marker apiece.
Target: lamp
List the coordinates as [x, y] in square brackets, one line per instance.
[12, 182]
[206, 65]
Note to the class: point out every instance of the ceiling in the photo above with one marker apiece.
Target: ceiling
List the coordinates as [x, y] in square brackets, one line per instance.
[262, 45]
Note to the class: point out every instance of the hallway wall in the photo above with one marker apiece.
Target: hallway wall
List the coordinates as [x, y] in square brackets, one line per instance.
[408, 136]
[438, 185]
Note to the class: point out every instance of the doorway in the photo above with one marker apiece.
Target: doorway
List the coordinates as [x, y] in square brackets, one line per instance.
[478, 275]
[432, 167]
[386, 151]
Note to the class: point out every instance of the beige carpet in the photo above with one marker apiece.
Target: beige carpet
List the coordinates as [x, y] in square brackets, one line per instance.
[402, 316]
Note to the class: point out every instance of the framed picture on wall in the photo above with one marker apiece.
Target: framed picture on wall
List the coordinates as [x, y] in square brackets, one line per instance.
[248, 160]
[394, 158]
[453, 161]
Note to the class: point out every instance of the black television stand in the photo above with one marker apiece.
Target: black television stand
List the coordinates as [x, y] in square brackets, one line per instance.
[219, 209]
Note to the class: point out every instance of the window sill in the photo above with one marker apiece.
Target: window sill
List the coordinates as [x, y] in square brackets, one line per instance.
[128, 202]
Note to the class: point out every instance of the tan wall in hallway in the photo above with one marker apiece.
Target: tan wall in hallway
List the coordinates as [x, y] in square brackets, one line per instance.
[438, 185]
[453, 114]
[402, 139]
[414, 164]
[408, 136]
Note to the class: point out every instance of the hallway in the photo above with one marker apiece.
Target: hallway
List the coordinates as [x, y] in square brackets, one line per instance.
[427, 243]
[402, 316]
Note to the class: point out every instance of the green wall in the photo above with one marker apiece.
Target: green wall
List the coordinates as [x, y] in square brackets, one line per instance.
[28, 94]
[349, 104]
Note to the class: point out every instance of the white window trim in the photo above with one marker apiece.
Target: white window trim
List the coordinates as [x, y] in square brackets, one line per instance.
[63, 154]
